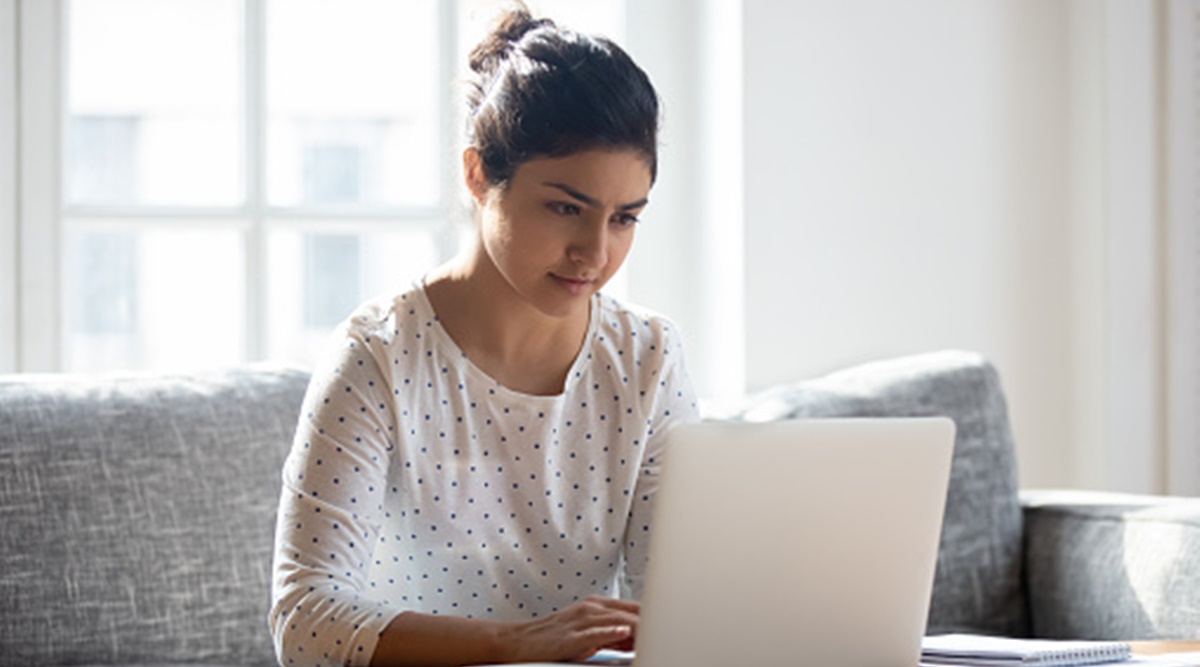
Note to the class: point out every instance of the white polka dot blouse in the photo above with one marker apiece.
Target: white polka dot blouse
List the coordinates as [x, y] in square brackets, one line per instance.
[417, 482]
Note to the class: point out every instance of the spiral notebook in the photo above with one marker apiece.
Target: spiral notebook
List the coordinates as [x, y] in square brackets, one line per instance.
[983, 651]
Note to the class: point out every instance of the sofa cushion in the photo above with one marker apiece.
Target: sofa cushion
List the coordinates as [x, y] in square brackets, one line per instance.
[138, 516]
[977, 587]
[160, 664]
[1112, 566]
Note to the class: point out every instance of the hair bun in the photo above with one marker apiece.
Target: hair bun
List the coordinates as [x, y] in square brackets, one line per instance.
[512, 26]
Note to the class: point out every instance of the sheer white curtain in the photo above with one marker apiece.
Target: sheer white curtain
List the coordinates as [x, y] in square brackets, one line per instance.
[1183, 246]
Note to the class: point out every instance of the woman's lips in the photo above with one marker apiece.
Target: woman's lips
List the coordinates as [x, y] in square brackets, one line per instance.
[572, 285]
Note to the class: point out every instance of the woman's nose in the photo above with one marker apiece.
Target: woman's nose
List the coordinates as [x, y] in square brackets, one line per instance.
[590, 246]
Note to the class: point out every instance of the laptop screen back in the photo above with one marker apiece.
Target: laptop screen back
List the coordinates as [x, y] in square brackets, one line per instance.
[795, 542]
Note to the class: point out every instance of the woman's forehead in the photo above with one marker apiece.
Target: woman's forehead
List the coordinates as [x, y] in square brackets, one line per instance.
[612, 177]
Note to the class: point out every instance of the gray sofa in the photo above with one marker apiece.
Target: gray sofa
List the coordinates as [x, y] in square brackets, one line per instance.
[138, 516]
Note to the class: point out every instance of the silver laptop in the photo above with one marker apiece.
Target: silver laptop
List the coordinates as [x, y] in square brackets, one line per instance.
[795, 543]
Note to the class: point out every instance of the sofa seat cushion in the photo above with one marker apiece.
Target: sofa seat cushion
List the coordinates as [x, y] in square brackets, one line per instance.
[138, 516]
[1112, 566]
[159, 664]
[977, 586]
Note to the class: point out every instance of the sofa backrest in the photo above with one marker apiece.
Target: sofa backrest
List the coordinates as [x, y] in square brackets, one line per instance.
[138, 515]
[978, 584]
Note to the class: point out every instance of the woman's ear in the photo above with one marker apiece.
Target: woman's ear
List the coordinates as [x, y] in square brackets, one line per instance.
[476, 182]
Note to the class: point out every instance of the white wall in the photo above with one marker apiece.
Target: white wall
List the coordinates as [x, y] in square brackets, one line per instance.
[879, 179]
[906, 190]
[687, 261]
[666, 248]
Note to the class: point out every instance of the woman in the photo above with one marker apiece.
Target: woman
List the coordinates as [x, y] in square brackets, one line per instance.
[472, 476]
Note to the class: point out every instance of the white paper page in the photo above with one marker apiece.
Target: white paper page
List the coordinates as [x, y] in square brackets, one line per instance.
[1167, 660]
[604, 657]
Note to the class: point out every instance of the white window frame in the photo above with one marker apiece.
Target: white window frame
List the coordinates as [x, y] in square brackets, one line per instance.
[8, 186]
[38, 150]
[31, 232]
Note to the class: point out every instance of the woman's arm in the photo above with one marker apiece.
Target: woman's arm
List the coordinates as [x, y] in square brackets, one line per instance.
[574, 633]
[672, 402]
[324, 610]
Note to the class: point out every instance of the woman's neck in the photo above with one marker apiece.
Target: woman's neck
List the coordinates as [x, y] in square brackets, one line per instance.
[504, 335]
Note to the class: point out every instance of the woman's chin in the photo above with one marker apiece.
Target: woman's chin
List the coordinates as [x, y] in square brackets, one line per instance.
[561, 303]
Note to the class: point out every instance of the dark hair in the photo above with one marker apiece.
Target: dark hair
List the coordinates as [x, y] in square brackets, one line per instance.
[538, 90]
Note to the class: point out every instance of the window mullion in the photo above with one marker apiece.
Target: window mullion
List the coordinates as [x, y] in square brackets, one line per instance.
[40, 108]
[8, 186]
[266, 212]
[452, 118]
[163, 215]
[254, 144]
[115, 223]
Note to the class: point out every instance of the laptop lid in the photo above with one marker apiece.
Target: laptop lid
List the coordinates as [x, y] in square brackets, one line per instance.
[795, 542]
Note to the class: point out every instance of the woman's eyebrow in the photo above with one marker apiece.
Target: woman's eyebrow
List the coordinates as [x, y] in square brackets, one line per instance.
[579, 196]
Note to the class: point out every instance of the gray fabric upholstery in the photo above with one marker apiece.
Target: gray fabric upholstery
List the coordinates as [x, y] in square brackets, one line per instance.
[977, 587]
[1112, 566]
[138, 516]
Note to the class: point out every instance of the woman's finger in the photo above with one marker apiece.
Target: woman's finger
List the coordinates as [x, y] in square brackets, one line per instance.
[614, 603]
[588, 641]
[626, 644]
[610, 619]
[598, 611]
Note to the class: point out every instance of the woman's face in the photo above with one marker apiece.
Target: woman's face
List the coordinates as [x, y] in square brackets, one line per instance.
[563, 226]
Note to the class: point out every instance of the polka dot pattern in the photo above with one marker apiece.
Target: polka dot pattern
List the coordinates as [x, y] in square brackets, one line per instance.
[417, 482]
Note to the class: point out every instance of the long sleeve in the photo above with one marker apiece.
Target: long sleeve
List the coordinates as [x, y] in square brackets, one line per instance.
[330, 515]
[673, 402]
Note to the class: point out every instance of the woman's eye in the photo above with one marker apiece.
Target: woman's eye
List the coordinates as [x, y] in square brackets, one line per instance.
[626, 219]
[564, 208]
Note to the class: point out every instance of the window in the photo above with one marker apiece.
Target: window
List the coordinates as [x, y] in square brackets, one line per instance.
[226, 179]
[192, 179]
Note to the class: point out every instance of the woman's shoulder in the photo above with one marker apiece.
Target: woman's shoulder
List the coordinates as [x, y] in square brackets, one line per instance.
[368, 340]
[639, 349]
[383, 318]
[629, 324]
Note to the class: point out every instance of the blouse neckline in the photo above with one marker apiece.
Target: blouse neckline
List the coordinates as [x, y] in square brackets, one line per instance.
[454, 352]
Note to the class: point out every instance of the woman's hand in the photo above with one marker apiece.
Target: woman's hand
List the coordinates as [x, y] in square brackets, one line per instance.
[575, 633]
